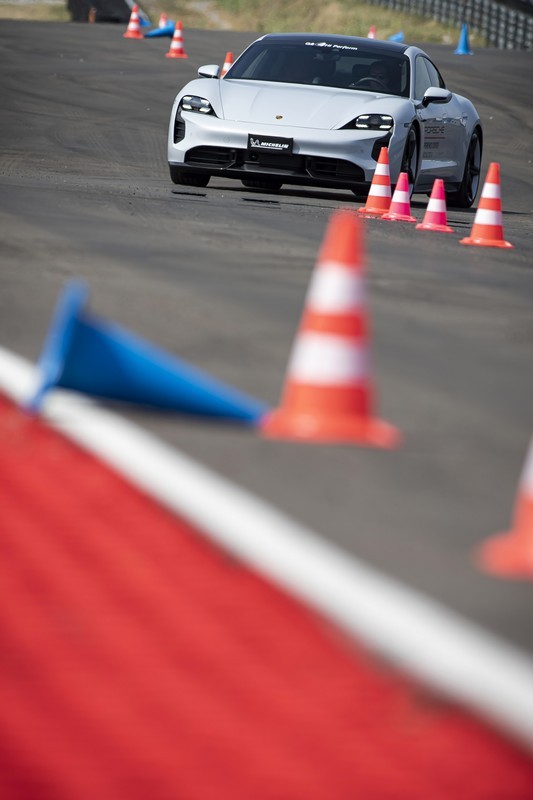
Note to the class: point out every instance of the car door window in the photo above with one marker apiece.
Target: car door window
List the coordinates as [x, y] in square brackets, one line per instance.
[422, 78]
[434, 74]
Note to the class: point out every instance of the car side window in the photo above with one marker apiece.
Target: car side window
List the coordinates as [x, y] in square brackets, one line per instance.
[422, 78]
[434, 74]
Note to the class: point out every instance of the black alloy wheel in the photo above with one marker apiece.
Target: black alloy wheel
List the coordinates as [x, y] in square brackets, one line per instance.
[410, 159]
[467, 191]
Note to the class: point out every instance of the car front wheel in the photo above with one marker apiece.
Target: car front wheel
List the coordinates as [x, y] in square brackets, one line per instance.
[410, 159]
[467, 191]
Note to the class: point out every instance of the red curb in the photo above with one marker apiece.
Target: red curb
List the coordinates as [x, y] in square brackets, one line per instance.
[138, 661]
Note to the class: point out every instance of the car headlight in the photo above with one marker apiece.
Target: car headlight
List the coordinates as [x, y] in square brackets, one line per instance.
[370, 122]
[373, 122]
[192, 102]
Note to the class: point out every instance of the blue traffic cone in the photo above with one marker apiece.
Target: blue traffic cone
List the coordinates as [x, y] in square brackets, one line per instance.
[99, 358]
[144, 22]
[396, 37]
[463, 46]
[166, 30]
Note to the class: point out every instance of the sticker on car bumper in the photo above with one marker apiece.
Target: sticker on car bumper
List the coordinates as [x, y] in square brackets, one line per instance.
[269, 143]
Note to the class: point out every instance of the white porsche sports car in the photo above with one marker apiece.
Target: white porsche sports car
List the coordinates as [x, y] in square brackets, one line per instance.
[315, 110]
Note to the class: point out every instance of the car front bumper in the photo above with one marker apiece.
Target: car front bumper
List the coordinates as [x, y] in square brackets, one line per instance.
[336, 158]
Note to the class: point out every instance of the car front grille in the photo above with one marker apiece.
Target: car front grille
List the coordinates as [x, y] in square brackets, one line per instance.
[303, 168]
[276, 161]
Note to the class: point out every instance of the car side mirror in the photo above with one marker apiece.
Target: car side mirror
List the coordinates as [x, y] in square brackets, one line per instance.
[436, 95]
[209, 71]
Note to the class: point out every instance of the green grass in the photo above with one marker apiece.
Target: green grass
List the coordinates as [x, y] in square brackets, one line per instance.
[44, 12]
[351, 17]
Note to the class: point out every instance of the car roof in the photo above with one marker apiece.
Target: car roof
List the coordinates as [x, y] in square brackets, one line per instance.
[337, 40]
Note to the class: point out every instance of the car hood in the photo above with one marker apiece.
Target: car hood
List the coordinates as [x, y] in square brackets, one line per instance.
[294, 105]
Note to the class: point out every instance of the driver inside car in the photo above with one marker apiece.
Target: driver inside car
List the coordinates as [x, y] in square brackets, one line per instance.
[377, 75]
[379, 71]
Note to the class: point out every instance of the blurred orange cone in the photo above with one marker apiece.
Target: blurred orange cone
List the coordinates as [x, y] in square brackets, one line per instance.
[372, 32]
[379, 195]
[133, 31]
[511, 554]
[435, 216]
[328, 394]
[163, 20]
[487, 230]
[400, 207]
[176, 45]
[228, 61]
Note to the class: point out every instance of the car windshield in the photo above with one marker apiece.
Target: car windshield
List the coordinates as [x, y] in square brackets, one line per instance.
[310, 63]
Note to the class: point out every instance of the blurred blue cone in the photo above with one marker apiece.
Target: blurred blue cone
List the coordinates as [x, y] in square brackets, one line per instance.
[99, 358]
[166, 30]
[463, 46]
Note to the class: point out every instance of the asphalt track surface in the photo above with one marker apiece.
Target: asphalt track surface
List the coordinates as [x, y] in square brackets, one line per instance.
[218, 276]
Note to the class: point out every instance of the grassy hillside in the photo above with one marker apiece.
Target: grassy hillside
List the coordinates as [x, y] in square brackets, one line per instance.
[334, 16]
[352, 17]
[329, 16]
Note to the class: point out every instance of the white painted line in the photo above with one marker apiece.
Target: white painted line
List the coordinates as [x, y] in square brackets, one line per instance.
[437, 646]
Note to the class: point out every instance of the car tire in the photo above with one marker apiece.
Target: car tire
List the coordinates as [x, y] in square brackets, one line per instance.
[263, 183]
[186, 178]
[409, 162]
[467, 191]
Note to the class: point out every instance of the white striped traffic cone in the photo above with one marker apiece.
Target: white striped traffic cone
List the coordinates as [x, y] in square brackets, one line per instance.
[328, 394]
[163, 20]
[133, 31]
[400, 207]
[435, 216]
[511, 554]
[487, 230]
[176, 45]
[228, 61]
[379, 195]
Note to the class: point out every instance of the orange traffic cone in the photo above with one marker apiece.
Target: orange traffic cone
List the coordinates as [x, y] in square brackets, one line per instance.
[379, 196]
[228, 61]
[328, 395]
[435, 216]
[487, 230]
[400, 207]
[176, 45]
[163, 20]
[511, 554]
[372, 32]
[133, 31]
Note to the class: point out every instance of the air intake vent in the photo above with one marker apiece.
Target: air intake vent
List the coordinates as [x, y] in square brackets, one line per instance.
[334, 169]
[179, 129]
[211, 156]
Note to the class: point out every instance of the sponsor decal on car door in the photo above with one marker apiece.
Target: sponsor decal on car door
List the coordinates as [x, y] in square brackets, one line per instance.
[442, 125]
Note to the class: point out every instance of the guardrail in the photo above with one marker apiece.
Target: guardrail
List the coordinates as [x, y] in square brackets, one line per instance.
[501, 26]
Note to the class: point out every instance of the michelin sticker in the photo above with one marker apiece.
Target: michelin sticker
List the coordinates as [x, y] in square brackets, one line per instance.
[272, 143]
